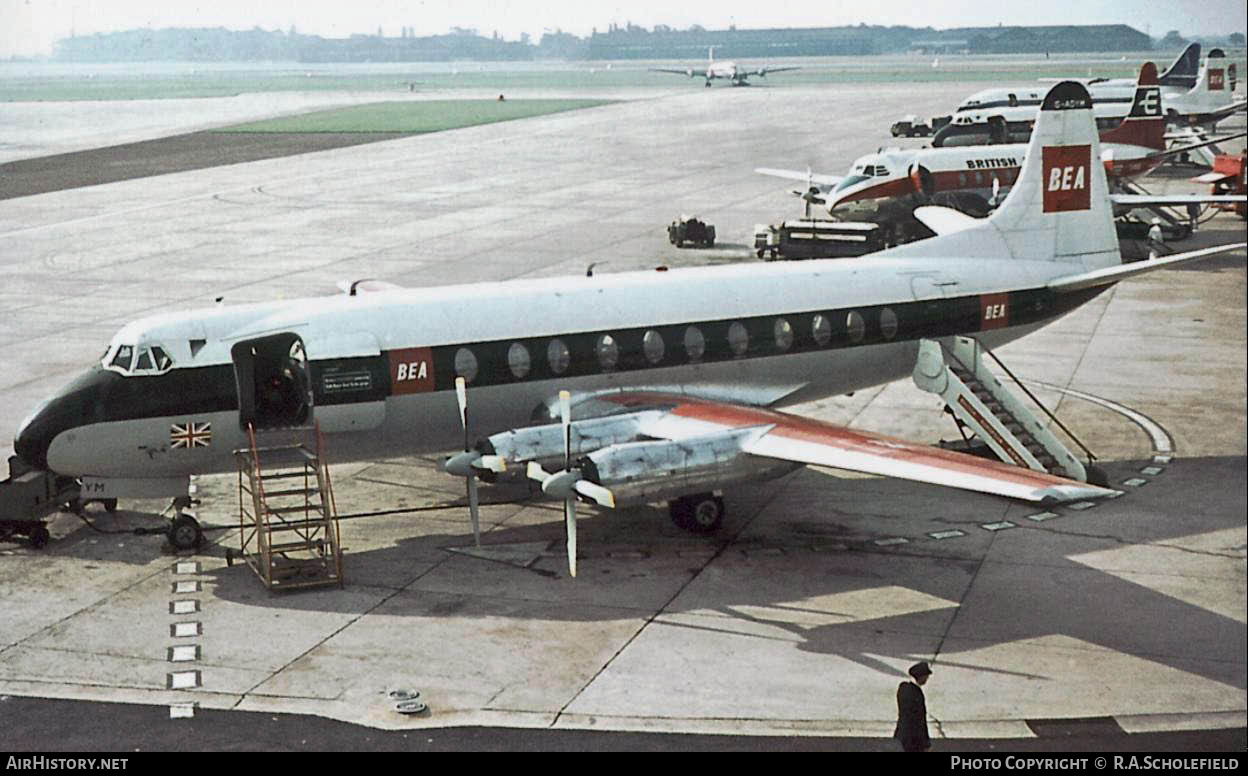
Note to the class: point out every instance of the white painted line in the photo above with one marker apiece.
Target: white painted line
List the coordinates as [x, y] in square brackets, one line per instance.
[187, 653]
[1001, 526]
[1161, 440]
[188, 606]
[182, 711]
[188, 586]
[950, 534]
[186, 567]
[1040, 517]
[1163, 458]
[182, 680]
[1152, 471]
[1079, 506]
[1135, 482]
[891, 542]
[183, 629]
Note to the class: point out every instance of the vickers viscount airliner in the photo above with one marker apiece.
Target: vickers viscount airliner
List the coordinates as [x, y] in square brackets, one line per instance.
[673, 379]
[731, 71]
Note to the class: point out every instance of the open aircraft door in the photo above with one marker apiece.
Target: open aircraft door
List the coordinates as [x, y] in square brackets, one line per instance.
[271, 374]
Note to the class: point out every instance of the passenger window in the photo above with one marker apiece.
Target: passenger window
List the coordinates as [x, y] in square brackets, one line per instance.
[518, 360]
[695, 343]
[652, 346]
[608, 352]
[557, 356]
[784, 334]
[124, 355]
[888, 323]
[821, 328]
[466, 364]
[738, 339]
[856, 326]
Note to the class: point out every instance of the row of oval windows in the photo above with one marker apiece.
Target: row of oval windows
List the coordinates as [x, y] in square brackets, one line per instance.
[652, 346]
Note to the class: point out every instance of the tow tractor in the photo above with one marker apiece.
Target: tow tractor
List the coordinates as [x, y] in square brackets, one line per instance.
[910, 126]
[28, 496]
[691, 230]
[811, 238]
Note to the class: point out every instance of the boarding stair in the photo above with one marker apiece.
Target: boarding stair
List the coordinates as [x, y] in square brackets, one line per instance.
[288, 524]
[958, 372]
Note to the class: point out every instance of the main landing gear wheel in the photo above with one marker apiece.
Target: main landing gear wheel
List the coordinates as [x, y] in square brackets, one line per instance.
[185, 533]
[702, 513]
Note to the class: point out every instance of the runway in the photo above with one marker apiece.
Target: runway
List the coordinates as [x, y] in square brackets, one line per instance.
[798, 618]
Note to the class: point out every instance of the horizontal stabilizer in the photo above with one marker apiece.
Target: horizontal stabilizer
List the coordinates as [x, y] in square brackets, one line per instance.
[944, 220]
[1109, 275]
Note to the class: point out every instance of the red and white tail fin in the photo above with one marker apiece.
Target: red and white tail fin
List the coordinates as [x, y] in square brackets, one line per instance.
[1058, 209]
[1143, 125]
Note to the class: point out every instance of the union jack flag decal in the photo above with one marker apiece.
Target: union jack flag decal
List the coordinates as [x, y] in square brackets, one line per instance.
[187, 435]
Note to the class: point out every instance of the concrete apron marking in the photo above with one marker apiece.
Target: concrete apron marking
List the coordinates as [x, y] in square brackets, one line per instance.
[184, 653]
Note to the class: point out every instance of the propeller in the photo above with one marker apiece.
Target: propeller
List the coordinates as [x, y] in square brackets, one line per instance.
[921, 180]
[811, 194]
[569, 483]
[469, 462]
[996, 192]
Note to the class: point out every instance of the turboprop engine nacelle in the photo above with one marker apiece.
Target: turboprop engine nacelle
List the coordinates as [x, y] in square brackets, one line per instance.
[640, 472]
[544, 444]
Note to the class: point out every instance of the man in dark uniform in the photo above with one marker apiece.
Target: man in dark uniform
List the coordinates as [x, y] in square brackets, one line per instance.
[912, 711]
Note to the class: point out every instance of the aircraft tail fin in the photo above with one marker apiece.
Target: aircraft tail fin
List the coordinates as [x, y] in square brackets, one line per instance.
[1143, 125]
[1213, 77]
[1058, 209]
[1184, 69]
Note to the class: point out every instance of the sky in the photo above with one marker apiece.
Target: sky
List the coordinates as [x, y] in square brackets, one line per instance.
[30, 27]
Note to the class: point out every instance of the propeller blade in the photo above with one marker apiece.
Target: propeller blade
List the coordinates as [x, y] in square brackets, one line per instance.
[565, 414]
[569, 513]
[461, 396]
[493, 463]
[595, 492]
[474, 511]
[536, 472]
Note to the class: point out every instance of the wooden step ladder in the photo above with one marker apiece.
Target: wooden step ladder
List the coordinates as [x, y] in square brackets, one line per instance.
[288, 523]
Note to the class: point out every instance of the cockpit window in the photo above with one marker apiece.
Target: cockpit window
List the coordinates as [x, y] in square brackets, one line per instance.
[129, 360]
[162, 359]
[852, 180]
[122, 360]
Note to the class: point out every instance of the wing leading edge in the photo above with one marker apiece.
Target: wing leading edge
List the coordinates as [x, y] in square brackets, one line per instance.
[803, 440]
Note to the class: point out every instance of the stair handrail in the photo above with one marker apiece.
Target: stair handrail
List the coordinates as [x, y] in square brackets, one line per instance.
[1038, 403]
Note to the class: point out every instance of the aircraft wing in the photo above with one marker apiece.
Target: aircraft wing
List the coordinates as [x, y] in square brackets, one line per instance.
[763, 71]
[824, 182]
[1103, 277]
[686, 71]
[785, 437]
[1176, 200]
[1194, 146]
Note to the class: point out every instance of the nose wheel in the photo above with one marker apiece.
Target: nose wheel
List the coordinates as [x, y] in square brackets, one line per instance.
[184, 531]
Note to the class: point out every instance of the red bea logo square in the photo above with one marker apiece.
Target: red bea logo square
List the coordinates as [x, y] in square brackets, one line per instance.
[1217, 81]
[411, 370]
[1067, 178]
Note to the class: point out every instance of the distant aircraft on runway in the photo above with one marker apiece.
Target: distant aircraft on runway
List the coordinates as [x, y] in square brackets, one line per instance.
[637, 387]
[722, 69]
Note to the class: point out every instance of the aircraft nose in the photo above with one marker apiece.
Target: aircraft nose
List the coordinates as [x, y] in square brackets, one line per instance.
[74, 405]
